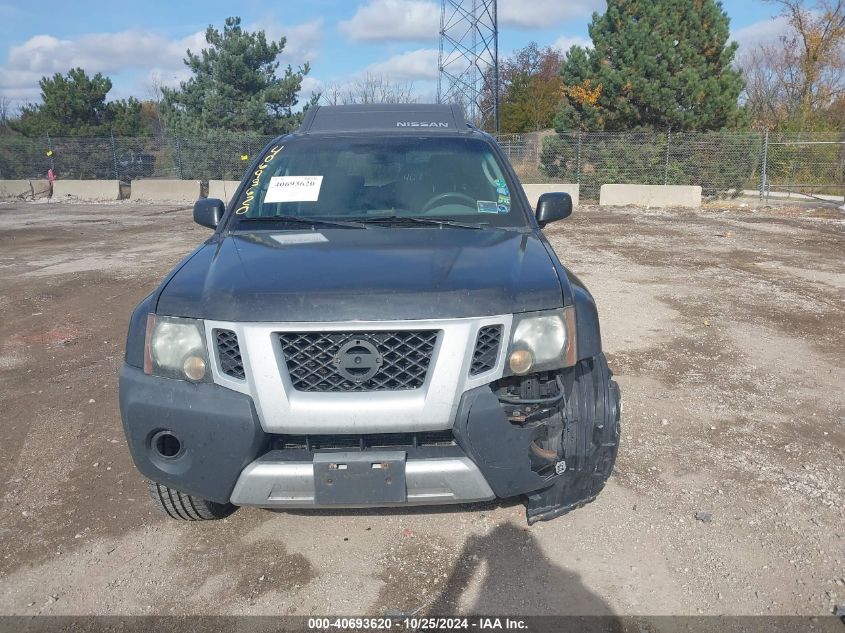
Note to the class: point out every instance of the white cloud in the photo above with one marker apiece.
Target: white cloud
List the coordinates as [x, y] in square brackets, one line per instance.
[310, 85]
[100, 52]
[303, 40]
[19, 86]
[108, 53]
[393, 20]
[762, 32]
[545, 13]
[410, 66]
[417, 20]
[565, 42]
[159, 58]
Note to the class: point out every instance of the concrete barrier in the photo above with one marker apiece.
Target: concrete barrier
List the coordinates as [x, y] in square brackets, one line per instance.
[40, 188]
[650, 196]
[87, 190]
[535, 191]
[222, 189]
[150, 190]
[27, 189]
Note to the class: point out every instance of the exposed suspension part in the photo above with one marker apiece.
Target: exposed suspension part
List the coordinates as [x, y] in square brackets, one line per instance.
[536, 402]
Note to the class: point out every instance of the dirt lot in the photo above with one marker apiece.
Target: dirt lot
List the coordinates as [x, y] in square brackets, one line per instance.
[724, 328]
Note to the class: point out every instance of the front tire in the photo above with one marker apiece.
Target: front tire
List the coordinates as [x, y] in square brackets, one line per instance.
[185, 507]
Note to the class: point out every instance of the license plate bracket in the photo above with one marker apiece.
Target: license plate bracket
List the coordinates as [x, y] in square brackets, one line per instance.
[359, 478]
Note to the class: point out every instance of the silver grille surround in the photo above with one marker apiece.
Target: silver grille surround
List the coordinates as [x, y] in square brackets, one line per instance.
[431, 407]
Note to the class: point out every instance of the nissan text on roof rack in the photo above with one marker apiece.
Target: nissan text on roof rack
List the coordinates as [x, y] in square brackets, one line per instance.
[377, 320]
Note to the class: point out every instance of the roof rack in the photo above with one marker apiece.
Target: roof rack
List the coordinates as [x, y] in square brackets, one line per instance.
[412, 117]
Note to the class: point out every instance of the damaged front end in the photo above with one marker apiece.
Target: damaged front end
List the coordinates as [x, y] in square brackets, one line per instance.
[551, 436]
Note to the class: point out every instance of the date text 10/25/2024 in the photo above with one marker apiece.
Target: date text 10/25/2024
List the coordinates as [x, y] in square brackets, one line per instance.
[418, 624]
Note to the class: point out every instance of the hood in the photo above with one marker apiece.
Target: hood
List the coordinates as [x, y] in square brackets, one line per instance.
[363, 274]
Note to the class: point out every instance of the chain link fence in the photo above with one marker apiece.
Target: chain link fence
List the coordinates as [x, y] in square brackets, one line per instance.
[721, 163]
[221, 156]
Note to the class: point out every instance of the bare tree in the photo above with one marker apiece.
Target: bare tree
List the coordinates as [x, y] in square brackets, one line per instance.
[5, 112]
[369, 89]
[801, 76]
[766, 95]
[152, 106]
[333, 94]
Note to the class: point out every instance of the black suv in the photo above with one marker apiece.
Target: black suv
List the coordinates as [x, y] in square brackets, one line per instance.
[377, 320]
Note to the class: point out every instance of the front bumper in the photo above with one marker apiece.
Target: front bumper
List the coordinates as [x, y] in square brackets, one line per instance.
[217, 428]
[430, 481]
[227, 456]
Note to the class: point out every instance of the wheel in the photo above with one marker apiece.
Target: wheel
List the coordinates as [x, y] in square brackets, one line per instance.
[178, 505]
[591, 431]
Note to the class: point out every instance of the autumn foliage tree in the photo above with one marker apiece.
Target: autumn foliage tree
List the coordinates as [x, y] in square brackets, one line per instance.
[531, 89]
[797, 83]
[653, 64]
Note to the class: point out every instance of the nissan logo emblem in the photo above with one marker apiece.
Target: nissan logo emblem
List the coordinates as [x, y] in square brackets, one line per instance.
[358, 360]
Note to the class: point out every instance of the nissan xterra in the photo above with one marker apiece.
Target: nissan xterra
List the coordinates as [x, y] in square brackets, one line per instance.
[377, 320]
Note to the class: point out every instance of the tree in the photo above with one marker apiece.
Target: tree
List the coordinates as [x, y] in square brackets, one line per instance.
[797, 83]
[656, 64]
[235, 86]
[531, 89]
[75, 105]
[5, 113]
[370, 89]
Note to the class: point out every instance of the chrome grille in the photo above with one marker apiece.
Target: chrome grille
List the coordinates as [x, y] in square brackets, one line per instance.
[486, 349]
[229, 352]
[399, 360]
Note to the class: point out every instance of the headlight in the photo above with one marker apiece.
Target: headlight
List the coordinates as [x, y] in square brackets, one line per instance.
[542, 341]
[175, 348]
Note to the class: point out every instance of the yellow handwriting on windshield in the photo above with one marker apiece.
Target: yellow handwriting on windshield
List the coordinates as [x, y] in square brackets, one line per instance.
[250, 193]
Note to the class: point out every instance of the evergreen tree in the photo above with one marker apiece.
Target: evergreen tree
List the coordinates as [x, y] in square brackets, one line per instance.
[234, 86]
[656, 64]
[75, 105]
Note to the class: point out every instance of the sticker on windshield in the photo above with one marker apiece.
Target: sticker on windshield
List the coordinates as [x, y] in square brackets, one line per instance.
[294, 189]
[504, 202]
[300, 238]
[487, 206]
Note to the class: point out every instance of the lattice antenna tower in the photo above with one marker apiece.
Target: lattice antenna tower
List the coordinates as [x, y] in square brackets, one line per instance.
[469, 59]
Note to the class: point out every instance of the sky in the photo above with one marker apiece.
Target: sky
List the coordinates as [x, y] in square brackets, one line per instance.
[141, 45]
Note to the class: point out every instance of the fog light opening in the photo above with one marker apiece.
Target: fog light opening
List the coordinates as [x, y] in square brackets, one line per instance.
[167, 445]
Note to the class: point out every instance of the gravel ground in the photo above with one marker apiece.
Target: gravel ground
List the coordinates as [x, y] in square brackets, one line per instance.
[724, 328]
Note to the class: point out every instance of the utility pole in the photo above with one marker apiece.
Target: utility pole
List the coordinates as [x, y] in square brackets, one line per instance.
[469, 59]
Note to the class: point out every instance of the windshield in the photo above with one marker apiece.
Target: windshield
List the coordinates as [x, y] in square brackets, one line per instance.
[360, 179]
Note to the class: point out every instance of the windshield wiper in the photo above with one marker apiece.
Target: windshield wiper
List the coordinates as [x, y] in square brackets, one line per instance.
[301, 220]
[398, 219]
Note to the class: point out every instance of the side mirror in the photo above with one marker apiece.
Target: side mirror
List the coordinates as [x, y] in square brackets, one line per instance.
[552, 207]
[208, 212]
